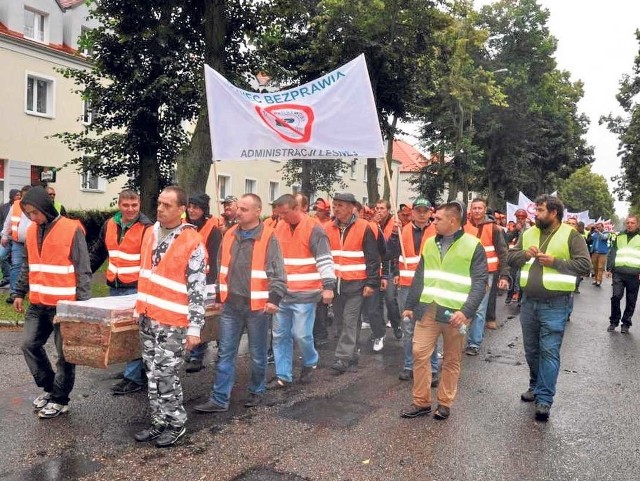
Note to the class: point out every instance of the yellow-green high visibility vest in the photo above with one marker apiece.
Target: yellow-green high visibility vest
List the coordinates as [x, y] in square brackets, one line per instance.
[447, 280]
[558, 247]
[628, 253]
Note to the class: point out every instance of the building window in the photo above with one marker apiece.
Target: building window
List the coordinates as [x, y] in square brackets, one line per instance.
[250, 186]
[35, 25]
[87, 112]
[224, 186]
[39, 95]
[354, 162]
[365, 173]
[92, 182]
[86, 49]
[274, 187]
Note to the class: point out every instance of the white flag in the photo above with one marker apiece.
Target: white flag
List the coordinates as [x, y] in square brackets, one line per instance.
[331, 117]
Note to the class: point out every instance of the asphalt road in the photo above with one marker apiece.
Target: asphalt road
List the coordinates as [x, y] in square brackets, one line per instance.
[348, 428]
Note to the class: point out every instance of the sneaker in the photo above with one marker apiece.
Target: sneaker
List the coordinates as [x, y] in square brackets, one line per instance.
[253, 400]
[612, 327]
[397, 331]
[52, 410]
[507, 301]
[472, 350]
[414, 411]
[339, 367]
[195, 365]
[388, 324]
[378, 344]
[365, 325]
[126, 386]
[406, 374]
[277, 383]
[149, 434]
[528, 396]
[10, 299]
[625, 329]
[442, 412]
[435, 379]
[41, 401]
[170, 436]
[542, 412]
[4, 282]
[306, 374]
[211, 407]
[492, 325]
[270, 358]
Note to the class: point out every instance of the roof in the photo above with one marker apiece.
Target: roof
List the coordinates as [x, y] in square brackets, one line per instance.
[410, 158]
[65, 4]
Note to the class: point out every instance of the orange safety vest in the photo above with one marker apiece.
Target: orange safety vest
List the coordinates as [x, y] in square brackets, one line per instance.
[299, 261]
[348, 256]
[486, 239]
[375, 228]
[407, 272]
[124, 256]
[52, 276]
[388, 228]
[259, 282]
[16, 213]
[162, 290]
[271, 222]
[206, 230]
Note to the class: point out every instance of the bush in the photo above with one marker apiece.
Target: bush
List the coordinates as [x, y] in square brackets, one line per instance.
[92, 220]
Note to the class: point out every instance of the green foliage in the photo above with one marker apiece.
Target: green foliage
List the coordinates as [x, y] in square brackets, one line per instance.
[92, 220]
[584, 190]
[627, 129]
[142, 86]
[314, 175]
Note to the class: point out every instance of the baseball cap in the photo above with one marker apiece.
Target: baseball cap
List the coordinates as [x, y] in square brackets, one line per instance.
[321, 205]
[230, 198]
[344, 197]
[422, 202]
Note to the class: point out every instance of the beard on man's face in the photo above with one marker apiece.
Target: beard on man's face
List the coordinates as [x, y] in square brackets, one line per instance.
[543, 223]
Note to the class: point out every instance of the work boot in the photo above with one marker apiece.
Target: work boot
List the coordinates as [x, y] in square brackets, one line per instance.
[542, 412]
[194, 365]
[528, 396]
[170, 436]
[150, 433]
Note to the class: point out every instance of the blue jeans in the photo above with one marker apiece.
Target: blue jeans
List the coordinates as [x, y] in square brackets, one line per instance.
[293, 321]
[133, 369]
[4, 260]
[17, 259]
[543, 322]
[408, 326]
[476, 333]
[233, 321]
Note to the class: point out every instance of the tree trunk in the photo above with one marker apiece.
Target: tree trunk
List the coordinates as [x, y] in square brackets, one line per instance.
[149, 183]
[389, 160]
[194, 163]
[305, 178]
[372, 181]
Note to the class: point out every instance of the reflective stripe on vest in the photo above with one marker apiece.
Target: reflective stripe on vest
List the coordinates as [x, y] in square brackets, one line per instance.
[628, 253]
[124, 255]
[162, 290]
[558, 247]
[259, 288]
[486, 239]
[408, 265]
[52, 276]
[447, 280]
[348, 256]
[299, 262]
[16, 213]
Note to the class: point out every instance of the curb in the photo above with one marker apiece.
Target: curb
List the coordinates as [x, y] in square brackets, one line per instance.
[5, 323]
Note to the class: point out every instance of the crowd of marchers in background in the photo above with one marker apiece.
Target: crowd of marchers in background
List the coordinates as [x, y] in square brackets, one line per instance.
[429, 276]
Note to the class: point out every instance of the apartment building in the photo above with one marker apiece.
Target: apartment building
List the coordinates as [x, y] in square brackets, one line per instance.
[37, 38]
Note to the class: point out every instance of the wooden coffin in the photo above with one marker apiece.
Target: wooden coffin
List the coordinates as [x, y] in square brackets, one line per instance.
[103, 331]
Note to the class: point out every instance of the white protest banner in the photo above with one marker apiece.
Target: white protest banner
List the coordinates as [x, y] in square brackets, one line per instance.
[331, 117]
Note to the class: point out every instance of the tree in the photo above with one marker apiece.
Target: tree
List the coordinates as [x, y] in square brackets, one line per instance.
[627, 129]
[538, 139]
[305, 39]
[584, 190]
[141, 88]
[314, 175]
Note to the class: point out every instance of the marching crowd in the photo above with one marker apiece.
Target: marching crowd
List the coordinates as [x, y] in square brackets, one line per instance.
[435, 271]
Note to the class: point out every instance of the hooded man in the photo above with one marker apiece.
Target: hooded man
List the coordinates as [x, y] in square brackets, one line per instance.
[57, 268]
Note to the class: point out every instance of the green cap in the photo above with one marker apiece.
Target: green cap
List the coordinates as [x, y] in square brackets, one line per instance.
[422, 202]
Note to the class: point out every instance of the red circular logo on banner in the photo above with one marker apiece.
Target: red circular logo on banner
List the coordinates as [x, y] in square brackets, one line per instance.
[291, 122]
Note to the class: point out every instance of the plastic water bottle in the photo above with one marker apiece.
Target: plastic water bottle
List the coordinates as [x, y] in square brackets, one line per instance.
[463, 327]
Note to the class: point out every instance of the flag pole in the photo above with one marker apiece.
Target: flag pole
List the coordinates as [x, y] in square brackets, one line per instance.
[215, 189]
[392, 194]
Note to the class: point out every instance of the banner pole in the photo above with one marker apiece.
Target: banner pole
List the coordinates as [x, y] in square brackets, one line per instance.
[215, 189]
[392, 194]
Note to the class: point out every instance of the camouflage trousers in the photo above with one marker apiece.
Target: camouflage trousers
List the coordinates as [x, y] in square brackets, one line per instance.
[162, 353]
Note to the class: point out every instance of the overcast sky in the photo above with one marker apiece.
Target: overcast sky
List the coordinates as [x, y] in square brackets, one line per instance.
[596, 43]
